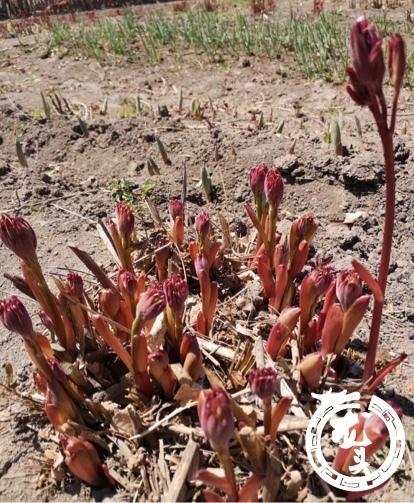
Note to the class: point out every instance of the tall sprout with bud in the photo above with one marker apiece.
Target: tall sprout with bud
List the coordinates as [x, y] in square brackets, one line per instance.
[366, 88]
[17, 234]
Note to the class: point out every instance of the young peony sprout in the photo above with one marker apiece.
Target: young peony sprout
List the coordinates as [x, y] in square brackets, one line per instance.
[273, 188]
[125, 220]
[280, 334]
[127, 283]
[83, 461]
[263, 383]
[151, 303]
[176, 293]
[313, 286]
[257, 178]
[18, 235]
[74, 284]
[348, 288]
[202, 226]
[15, 317]
[215, 411]
[366, 88]
[176, 209]
[343, 318]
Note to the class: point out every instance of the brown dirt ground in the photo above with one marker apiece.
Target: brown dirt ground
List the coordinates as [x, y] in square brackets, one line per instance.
[67, 187]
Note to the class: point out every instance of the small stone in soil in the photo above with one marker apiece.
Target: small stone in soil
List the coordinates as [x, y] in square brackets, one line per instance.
[4, 169]
[349, 242]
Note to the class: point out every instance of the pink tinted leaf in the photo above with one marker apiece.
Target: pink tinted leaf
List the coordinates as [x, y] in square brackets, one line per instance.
[212, 480]
[212, 253]
[277, 338]
[280, 287]
[201, 324]
[248, 493]
[111, 340]
[332, 329]
[278, 413]
[311, 369]
[193, 249]
[367, 277]
[265, 273]
[300, 259]
[351, 320]
[255, 221]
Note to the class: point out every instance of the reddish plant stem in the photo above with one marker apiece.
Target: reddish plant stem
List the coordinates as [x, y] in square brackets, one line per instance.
[387, 143]
[267, 411]
[227, 464]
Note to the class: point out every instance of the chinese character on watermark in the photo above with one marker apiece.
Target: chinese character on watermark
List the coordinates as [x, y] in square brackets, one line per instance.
[344, 433]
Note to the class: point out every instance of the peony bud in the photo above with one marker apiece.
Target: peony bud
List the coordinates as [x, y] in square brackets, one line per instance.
[17, 234]
[263, 382]
[396, 60]
[74, 284]
[127, 282]
[305, 227]
[176, 208]
[125, 220]
[151, 302]
[257, 177]
[313, 286]
[15, 317]
[366, 54]
[83, 461]
[273, 188]
[215, 411]
[202, 225]
[348, 288]
[176, 293]
[320, 279]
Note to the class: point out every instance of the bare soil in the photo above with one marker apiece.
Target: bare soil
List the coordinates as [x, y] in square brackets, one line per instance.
[67, 187]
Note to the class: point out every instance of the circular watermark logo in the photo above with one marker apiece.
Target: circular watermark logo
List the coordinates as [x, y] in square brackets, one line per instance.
[361, 476]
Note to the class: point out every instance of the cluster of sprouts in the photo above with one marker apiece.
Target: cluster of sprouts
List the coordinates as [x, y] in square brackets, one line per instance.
[132, 327]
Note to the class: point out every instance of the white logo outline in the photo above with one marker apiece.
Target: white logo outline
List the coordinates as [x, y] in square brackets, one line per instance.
[331, 404]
